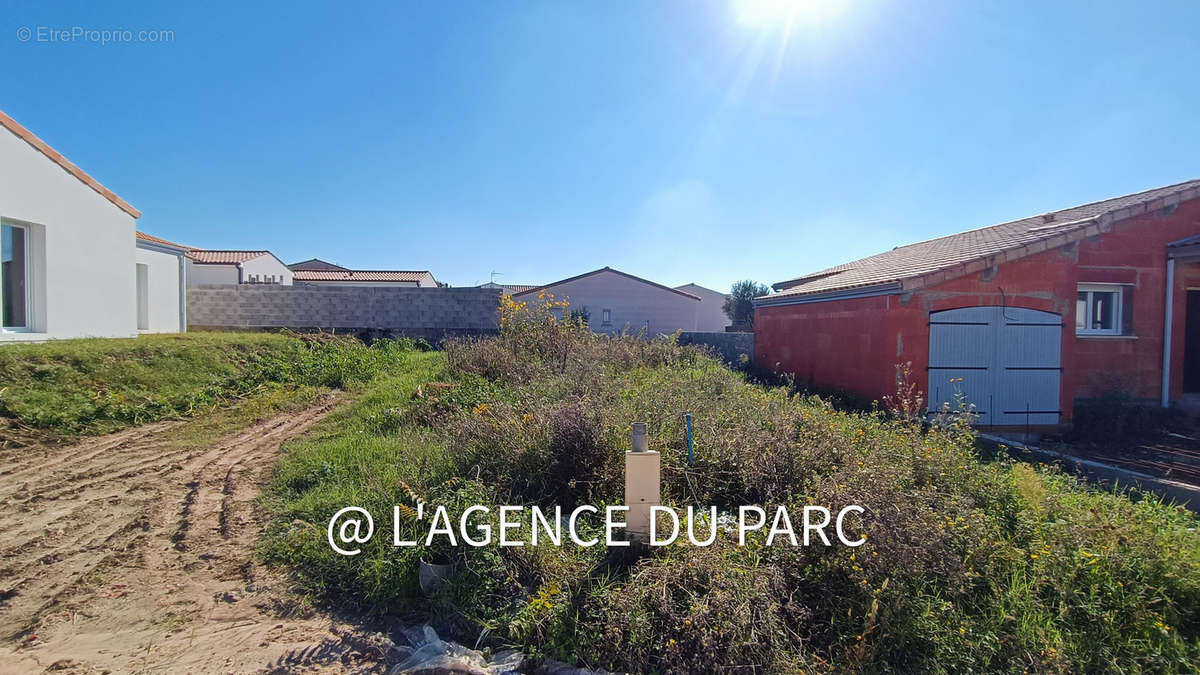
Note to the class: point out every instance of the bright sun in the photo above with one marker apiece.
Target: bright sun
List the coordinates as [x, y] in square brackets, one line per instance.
[778, 13]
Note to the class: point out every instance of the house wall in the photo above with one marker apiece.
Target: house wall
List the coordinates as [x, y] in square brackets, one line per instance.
[83, 276]
[633, 304]
[710, 316]
[810, 340]
[266, 267]
[1135, 252]
[207, 275]
[163, 286]
[842, 344]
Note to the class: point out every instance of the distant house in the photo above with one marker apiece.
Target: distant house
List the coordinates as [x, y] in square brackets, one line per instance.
[236, 267]
[509, 289]
[70, 263]
[615, 301]
[710, 317]
[316, 264]
[1020, 319]
[323, 272]
[380, 278]
[161, 285]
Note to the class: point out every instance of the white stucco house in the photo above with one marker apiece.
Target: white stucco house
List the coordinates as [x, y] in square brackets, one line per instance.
[207, 266]
[161, 285]
[68, 252]
[323, 273]
[615, 301]
[710, 317]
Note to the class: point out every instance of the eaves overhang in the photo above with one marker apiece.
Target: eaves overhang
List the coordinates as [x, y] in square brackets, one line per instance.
[893, 288]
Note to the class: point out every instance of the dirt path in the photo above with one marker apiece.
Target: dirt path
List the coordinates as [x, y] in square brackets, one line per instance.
[133, 553]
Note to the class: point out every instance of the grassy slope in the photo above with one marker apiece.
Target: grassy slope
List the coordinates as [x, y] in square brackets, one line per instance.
[355, 457]
[969, 565]
[99, 385]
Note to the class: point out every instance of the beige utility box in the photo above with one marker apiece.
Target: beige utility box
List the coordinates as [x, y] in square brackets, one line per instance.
[642, 483]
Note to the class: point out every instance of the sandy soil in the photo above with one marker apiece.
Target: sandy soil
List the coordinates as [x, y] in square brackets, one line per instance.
[133, 553]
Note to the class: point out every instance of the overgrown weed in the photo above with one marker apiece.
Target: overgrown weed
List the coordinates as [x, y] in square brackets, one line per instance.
[968, 565]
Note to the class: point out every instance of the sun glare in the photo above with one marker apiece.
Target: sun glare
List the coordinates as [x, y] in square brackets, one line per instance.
[779, 13]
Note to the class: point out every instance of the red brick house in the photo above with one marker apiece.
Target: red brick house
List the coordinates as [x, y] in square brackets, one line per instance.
[1021, 319]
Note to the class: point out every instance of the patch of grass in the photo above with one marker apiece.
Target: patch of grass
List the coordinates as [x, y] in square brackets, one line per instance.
[350, 459]
[99, 385]
[992, 566]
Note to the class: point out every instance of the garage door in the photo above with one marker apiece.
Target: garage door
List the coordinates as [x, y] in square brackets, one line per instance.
[1004, 360]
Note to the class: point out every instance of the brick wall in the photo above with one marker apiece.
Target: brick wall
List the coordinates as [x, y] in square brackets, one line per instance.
[856, 344]
[430, 313]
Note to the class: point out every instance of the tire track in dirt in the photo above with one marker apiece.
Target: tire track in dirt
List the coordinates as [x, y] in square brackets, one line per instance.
[134, 552]
[52, 457]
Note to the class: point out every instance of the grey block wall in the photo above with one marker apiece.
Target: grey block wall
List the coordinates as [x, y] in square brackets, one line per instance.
[730, 346]
[431, 313]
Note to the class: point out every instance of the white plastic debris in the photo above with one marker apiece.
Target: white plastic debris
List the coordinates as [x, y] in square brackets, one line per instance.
[430, 655]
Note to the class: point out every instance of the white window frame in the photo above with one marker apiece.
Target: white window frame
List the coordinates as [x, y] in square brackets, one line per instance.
[28, 327]
[1118, 319]
[606, 317]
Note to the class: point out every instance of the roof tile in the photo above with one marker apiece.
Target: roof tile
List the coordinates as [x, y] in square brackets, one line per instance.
[361, 275]
[942, 253]
[205, 257]
[159, 240]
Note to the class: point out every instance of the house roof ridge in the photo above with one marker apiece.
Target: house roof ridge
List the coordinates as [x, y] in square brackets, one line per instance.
[1014, 221]
[70, 167]
[606, 268]
[355, 269]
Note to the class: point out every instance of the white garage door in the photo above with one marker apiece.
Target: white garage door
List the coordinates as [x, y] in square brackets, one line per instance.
[1004, 360]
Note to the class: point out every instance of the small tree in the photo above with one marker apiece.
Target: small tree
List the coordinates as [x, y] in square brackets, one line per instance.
[581, 315]
[739, 306]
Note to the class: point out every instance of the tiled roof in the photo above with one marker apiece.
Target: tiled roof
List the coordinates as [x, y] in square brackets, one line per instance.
[513, 289]
[41, 146]
[159, 240]
[361, 275]
[205, 257]
[607, 269]
[510, 289]
[1012, 239]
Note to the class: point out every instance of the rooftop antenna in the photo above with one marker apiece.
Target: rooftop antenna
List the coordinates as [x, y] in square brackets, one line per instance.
[496, 274]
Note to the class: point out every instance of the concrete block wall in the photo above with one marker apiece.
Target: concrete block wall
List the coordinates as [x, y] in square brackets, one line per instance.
[431, 313]
[730, 346]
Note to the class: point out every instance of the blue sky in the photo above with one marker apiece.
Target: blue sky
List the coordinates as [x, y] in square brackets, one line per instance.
[682, 141]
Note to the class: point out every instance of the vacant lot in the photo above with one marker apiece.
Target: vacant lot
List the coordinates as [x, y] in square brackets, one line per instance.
[968, 565]
[133, 551]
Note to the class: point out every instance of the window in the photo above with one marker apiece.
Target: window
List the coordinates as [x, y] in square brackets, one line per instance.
[606, 317]
[1098, 310]
[14, 277]
[143, 296]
